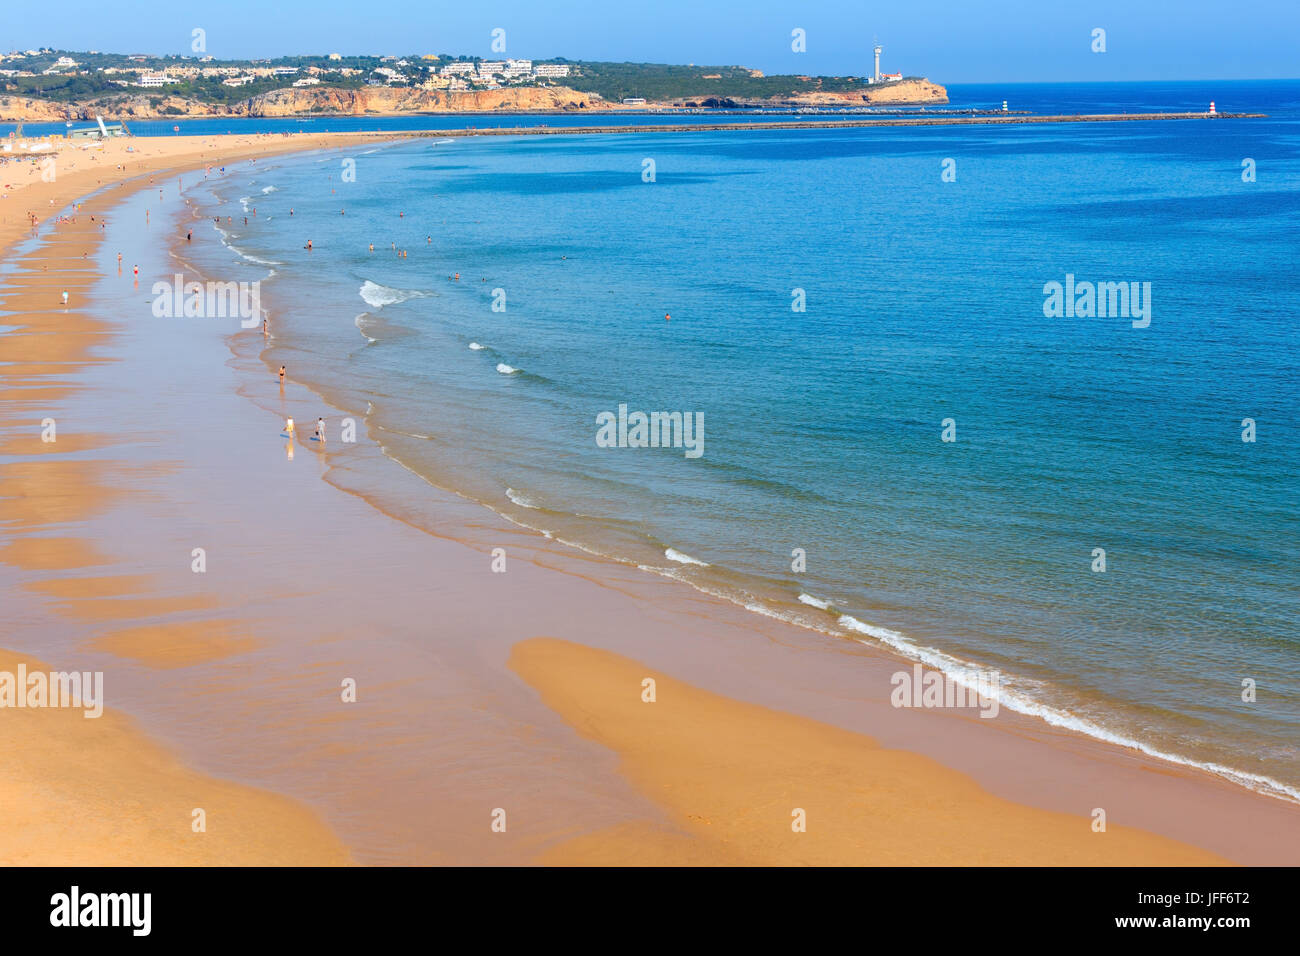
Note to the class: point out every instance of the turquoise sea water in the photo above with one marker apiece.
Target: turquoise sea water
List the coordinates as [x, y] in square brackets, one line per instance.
[823, 427]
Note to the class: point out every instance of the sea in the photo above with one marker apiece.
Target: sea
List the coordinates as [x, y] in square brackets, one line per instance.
[896, 437]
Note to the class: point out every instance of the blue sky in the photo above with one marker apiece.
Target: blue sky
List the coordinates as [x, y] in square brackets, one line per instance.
[950, 41]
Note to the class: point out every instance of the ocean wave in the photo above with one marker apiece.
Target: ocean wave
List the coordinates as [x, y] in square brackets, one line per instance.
[377, 296]
[250, 257]
[968, 675]
[521, 499]
[505, 369]
[269, 189]
[247, 256]
[1020, 695]
[672, 554]
[398, 431]
[360, 323]
[476, 347]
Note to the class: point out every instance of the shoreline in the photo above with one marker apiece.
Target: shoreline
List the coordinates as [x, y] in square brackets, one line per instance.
[132, 804]
[758, 596]
[1232, 778]
[600, 579]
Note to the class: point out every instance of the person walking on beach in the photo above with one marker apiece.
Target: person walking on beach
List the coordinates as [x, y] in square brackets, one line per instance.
[281, 376]
[320, 430]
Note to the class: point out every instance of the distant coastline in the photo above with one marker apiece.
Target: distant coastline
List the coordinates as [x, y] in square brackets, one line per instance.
[50, 85]
[403, 101]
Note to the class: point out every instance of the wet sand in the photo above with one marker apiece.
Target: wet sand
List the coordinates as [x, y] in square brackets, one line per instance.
[98, 791]
[373, 578]
[753, 786]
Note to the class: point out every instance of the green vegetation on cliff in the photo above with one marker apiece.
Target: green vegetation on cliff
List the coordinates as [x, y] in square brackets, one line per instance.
[68, 77]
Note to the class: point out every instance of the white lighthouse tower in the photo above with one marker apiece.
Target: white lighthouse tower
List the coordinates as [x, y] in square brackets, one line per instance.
[875, 77]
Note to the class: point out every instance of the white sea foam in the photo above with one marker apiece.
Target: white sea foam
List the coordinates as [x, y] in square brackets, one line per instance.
[360, 323]
[377, 296]
[966, 674]
[672, 554]
[1017, 694]
[505, 369]
[521, 499]
[476, 347]
[398, 431]
[250, 257]
[269, 189]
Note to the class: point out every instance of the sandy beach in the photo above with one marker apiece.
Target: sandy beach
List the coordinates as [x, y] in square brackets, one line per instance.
[479, 697]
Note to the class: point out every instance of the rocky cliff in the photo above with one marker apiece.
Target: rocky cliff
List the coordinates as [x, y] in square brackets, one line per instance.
[367, 101]
[395, 100]
[382, 100]
[904, 92]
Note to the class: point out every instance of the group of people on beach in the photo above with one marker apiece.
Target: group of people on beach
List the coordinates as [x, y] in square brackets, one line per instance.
[288, 422]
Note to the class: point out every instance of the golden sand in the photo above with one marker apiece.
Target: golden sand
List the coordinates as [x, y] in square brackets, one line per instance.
[51, 553]
[168, 646]
[96, 792]
[733, 777]
[75, 791]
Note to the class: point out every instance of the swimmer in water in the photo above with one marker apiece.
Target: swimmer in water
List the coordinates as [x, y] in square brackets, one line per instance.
[308, 246]
[372, 247]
